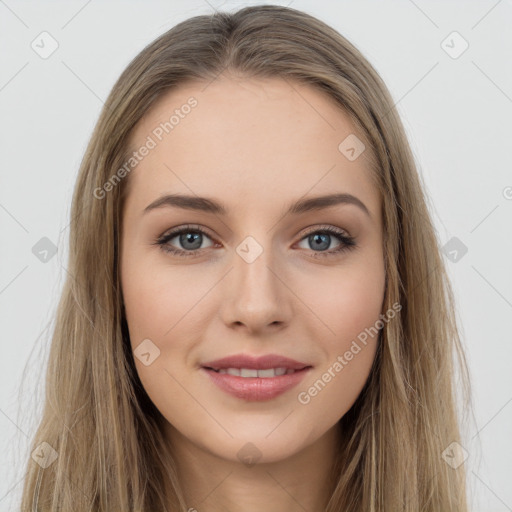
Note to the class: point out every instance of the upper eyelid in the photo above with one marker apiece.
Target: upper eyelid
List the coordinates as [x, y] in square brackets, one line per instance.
[171, 233]
[176, 231]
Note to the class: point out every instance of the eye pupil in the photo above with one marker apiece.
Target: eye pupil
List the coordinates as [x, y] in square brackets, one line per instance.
[324, 239]
[191, 237]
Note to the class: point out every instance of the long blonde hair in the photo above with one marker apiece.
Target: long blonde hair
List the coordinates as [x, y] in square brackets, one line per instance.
[107, 434]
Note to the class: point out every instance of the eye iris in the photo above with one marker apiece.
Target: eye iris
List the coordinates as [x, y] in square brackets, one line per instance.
[191, 237]
[324, 240]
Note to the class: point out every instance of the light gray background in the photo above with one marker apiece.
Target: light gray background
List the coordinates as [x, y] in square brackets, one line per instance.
[457, 112]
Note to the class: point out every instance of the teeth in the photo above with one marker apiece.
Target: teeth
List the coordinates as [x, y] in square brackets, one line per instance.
[267, 373]
[249, 372]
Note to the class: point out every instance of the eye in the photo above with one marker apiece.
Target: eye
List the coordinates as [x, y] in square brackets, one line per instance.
[191, 239]
[321, 237]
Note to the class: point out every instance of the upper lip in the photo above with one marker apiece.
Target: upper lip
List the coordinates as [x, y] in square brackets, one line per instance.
[255, 363]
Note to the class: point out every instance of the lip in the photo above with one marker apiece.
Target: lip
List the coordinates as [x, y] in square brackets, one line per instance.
[255, 363]
[256, 388]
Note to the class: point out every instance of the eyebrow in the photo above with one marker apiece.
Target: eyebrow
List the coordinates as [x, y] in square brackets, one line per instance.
[208, 205]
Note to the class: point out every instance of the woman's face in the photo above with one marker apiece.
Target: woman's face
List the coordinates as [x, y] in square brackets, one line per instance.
[253, 274]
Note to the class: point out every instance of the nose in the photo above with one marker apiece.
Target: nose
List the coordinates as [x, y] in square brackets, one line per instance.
[257, 297]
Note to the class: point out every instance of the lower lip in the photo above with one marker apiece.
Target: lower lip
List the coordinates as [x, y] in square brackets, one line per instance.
[256, 388]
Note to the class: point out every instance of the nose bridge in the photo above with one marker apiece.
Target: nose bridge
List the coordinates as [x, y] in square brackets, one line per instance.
[253, 272]
[257, 294]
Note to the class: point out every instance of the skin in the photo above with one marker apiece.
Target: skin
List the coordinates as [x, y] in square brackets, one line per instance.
[256, 145]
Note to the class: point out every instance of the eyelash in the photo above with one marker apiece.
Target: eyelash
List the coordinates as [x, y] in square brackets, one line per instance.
[347, 242]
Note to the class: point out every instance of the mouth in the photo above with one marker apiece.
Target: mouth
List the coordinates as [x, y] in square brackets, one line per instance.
[254, 373]
[246, 364]
[256, 379]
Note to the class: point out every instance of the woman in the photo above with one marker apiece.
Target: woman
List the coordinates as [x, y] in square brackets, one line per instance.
[298, 355]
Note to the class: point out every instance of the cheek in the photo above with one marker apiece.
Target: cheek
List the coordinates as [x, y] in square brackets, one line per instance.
[167, 306]
[160, 300]
[162, 305]
[349, 303]
[346, 301]
[358, 304]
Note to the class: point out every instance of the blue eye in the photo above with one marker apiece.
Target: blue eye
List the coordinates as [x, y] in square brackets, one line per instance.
[191, 239]
[319, 238]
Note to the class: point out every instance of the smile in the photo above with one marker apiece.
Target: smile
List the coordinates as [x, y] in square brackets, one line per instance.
[251, 372]
[255, 378]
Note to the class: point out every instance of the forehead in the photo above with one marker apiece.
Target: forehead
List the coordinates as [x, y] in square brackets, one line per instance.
[242, 138]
